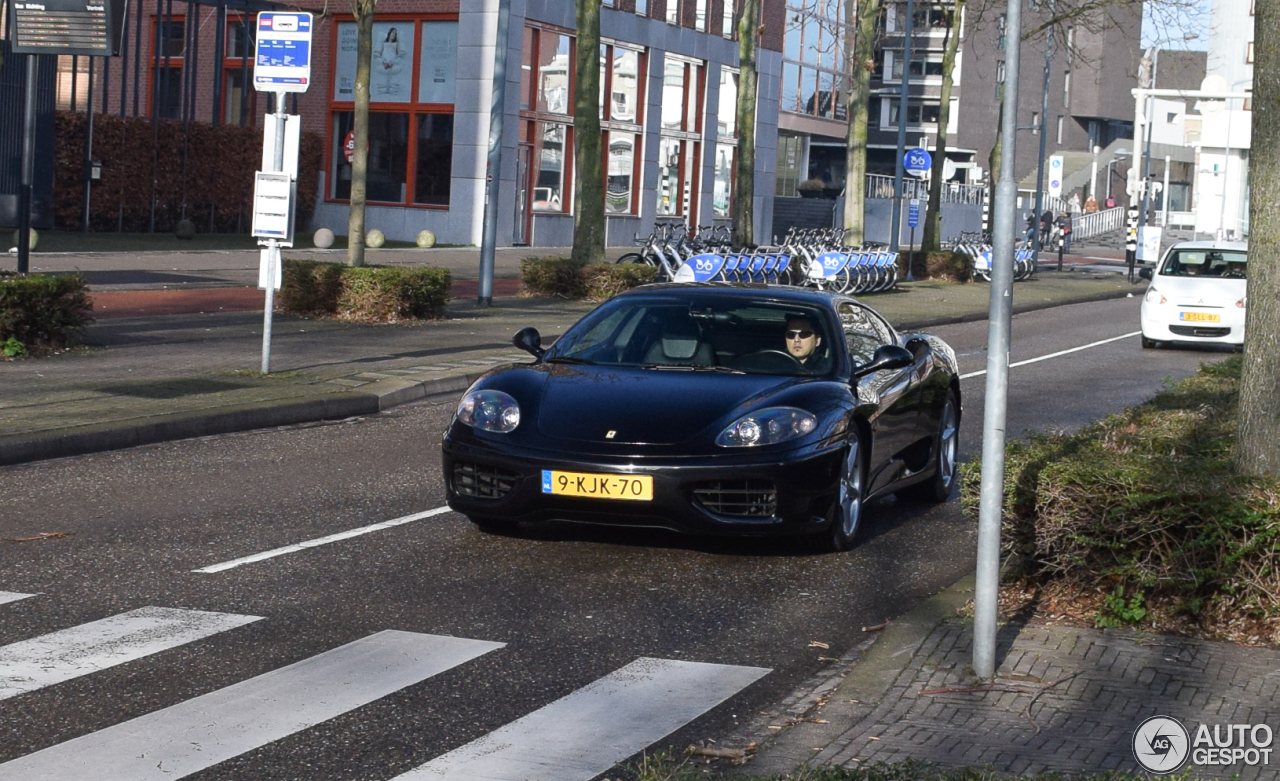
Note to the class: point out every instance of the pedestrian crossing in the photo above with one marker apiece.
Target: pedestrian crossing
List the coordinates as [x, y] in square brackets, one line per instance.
[574, 738]
[12, 596]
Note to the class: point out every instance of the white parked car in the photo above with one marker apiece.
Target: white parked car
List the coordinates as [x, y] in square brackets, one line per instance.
[1197, 295]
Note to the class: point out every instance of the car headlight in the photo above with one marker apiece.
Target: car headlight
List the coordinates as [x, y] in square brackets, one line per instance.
[1153, 297]
[767, 427]
[489, 410]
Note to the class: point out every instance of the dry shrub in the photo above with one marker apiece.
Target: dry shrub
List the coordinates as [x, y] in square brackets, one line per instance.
[377, 294]
[567, 278]
[1148, 502]
[951, 266]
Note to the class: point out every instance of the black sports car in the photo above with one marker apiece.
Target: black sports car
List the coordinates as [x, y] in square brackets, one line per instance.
[710, 409]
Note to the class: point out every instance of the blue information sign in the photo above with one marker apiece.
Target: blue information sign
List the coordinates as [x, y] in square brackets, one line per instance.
[913, 213]
[917, 161]
[282, 55]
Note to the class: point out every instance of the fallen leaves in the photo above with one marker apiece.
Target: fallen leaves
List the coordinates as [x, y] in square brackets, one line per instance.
[40, 536]
[819, 644]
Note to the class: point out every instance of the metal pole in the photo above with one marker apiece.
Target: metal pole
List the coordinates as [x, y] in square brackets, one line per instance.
[1164, 195]
[1044, 137]
[219, 54]
[987, 584]
[28, 168]
[494, 167]
[1226, 166]
[273, 246]
[895, 227]
[88, 149]
[1093, 175]
[1146, 169]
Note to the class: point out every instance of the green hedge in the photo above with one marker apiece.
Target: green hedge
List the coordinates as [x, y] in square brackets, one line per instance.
[214, 188]
[368, 294]
[566, 278]
[42, 313]
[1148, 504]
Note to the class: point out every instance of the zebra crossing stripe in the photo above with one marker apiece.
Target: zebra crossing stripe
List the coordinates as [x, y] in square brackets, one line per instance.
[12, 596]
[201, 732]
[582, 735]
[70, 653]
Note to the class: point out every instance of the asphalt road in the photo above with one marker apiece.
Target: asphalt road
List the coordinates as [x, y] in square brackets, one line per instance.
[570, 605]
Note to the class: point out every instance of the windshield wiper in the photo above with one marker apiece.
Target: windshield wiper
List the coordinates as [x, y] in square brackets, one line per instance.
[569, 359]
[685, 367]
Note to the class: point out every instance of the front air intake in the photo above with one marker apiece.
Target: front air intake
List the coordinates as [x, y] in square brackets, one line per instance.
[738, 498]
[480, 481]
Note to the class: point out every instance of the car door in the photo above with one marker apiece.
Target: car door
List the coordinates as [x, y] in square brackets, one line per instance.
[895, 392]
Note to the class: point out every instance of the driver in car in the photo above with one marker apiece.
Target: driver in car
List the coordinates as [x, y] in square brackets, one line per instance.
[803, 342]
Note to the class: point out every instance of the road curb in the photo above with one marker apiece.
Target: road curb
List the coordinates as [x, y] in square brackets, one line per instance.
[1018, 309]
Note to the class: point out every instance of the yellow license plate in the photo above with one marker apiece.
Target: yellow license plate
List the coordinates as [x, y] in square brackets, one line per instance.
[1199, 317]
[637, 488]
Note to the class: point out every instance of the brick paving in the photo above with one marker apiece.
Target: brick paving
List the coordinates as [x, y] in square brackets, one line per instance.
[1106, 683]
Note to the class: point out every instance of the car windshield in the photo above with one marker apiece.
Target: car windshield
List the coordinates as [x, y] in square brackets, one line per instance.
[1227, 264]
[683, 333]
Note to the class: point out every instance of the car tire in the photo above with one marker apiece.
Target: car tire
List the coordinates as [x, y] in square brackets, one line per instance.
[1149, 344]
[501, 526]
[937, 489]
[847, 509]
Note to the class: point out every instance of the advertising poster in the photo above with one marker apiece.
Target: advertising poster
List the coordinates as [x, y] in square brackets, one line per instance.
[439, 62]
[391, 69]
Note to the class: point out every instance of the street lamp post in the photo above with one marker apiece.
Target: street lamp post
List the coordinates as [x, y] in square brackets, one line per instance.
[1116, 157]
[895, 222]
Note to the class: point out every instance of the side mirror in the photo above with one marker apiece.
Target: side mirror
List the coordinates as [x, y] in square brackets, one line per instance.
[529, 340]
[889, 356]
[1145, 273]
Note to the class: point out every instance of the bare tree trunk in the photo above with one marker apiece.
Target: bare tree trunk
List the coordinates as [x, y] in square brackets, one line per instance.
[363, 12]
[744, 184]
[863, 56]
[588, 188]
[1257, 449]
[932, 238]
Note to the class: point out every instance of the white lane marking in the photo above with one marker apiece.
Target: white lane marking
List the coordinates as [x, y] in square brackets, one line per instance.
[201, 732]
[70, 653]
[582, 735]
[12, 596]
[346, 535]
[1055, 355]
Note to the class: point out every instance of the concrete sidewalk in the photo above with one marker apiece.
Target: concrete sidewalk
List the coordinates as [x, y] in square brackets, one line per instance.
[168, 360]
[1065, 699]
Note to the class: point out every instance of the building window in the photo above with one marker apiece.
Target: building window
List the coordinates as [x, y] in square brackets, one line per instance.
[700, 16]
[1248, 54]
[1035, 123]
[642, 7]
[921, 67]
[726, 142]
[239, 99]
[622, 72]
[73, 82]
[1060, 128]
[673, 11]
[1002, 31]
[1066, 90]
[680, 147]
[790, 152]
[815, 68]
[546, 121]
[917, 113]
[168, 47]
[729, 28]
[410, 153]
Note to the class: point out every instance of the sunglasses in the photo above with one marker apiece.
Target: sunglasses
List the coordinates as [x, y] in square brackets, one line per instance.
[798, 334]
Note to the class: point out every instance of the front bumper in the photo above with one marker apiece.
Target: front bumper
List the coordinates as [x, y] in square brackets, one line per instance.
[1161, 324]
[753, 494]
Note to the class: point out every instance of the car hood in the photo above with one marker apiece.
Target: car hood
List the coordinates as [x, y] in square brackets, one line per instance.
[646, 406]
[1200, 291]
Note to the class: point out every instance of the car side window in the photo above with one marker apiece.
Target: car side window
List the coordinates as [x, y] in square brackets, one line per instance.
[864, 332]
